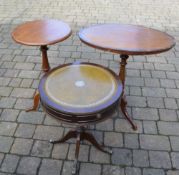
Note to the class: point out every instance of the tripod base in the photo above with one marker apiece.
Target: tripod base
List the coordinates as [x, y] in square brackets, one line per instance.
[80, 135]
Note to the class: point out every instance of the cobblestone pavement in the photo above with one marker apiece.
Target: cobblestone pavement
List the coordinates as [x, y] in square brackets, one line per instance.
[152, 93]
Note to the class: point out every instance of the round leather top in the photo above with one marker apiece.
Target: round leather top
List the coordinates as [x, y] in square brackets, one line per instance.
[127, 39]
[80, 88]
[41, 32]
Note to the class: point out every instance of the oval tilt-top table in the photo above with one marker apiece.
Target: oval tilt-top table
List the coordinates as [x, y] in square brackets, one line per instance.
[126, 40]
[41, 33]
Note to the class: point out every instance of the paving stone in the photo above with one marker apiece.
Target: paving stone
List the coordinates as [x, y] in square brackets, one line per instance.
[140, 158]
[60, 151]
[5, 144]
[165, 67]
[168, 128]
[9, 115]
[26, 66]
[135, 65]
[107, 125]
[156, 59]
[28, 165]
[7, 128]
[11, 73]
[31, 117]
[132, 72]
[158, 74]
[26, 83]
[15, 82]
[41, 149]
[168, 115]
[29, 74]
[52, 121]
[172, 75]
[131, 140]
[172, 93]
[23, 93]
[132, 81]
[30, 52]
[25, 130]
[145, 113]
[155, 102]
[4, 81]
[21, 146]
[112, 170]
[150, 127]
[132, 171]
[136, 101]
[175, 159]
[167, 83]
[145, 73]
[135, 91]
[113, 139]
[150, 171]
[154, 142]
[8, 65]
[153, 92]
[23, 104]
[174, 172]
[83, 154]
[149, 66]
[152, 82]
[49, 166]
[124, 159]
[121, 125]
[160, 159]
[1, 157]
[5, 91]
[170, 103]
[97, 156]
[67, 168]
[89, 168]
[7, 102]
[174, 143]
[10, 163]
[48, 132]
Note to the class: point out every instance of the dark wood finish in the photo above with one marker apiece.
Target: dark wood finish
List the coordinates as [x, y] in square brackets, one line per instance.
[80, 134]
[126, 39]
[45, 63]
[78, 111]
[41, 32]
[80, 116]
[123, 104]
[35, 102]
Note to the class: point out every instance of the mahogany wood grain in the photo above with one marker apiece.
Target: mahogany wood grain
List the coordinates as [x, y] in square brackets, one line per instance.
[126, 39]
[41, 32]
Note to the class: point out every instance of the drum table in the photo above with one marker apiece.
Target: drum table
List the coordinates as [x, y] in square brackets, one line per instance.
[80, 94]
[126, 40]
[41, 33]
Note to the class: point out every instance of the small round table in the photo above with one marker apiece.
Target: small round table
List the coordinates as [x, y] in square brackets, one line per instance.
[126, 40]
[80, 94]
[41, 33]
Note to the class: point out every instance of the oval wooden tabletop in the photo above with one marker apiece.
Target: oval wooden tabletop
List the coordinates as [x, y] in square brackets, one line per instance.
[41, 32]
[127, 39]
[91, 88]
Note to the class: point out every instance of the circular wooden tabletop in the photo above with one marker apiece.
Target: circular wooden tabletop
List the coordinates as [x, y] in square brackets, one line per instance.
[80, 88]
[41, 32]
[126, 39]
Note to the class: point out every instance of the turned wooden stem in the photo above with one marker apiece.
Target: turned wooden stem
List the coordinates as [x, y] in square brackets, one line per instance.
[122, 73]
[45, 63]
